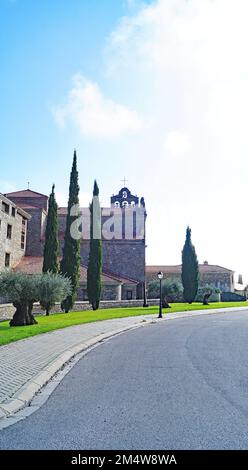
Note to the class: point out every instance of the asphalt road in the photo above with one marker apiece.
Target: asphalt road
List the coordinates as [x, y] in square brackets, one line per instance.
[181, 384]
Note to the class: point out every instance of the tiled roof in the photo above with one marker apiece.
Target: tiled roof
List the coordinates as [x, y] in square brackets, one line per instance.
[25, 193]
[33, 265]
[176, 269]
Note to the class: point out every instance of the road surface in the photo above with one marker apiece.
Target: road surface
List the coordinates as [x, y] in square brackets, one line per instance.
[181, 384]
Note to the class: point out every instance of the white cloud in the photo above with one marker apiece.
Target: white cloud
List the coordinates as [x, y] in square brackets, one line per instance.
[183, 64]
[177, 144]
[186, 64]
[93, 114]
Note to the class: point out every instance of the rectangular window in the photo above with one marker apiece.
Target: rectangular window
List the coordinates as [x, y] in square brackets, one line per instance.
[5, 207]
[22, 240]
[13, 212]
[24, 222]
[7, 260]
[129, 294]
[9, 231]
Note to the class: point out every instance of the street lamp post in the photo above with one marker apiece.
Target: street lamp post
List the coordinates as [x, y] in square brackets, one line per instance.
[160, 277]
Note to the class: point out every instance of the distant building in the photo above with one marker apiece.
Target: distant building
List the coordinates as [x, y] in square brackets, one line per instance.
[213, 274]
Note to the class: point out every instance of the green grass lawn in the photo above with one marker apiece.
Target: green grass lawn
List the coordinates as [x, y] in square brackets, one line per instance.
[62, 320]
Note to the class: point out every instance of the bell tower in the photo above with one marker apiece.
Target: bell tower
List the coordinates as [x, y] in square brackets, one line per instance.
[124, 199]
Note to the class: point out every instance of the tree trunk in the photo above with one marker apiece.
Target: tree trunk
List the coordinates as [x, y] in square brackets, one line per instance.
[165, 303]
[31, 319]
[23, 315]
[206, 297]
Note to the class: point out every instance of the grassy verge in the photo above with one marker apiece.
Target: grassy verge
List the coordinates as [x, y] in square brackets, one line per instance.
[63, 320]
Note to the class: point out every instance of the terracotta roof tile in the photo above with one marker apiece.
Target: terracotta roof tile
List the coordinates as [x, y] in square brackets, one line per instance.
[33, 265]
[25, 193]
[176, 269]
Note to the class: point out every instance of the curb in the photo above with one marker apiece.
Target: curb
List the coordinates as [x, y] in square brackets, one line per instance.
[27, 392]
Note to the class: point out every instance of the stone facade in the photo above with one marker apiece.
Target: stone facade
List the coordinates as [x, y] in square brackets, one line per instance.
[13, 233]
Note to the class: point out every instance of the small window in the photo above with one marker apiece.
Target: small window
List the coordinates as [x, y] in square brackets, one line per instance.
[129, 294]
[125, 204]
[5, 207]
[7, 260]
[24, 222]
[13, 212]
[9, 231]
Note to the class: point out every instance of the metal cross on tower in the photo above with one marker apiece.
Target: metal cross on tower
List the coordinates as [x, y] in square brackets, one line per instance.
[124, 181]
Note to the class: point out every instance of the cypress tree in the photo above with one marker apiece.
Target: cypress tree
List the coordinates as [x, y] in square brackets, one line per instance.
[190, 269]
[51, 247]
[95, 256]
[70, 264]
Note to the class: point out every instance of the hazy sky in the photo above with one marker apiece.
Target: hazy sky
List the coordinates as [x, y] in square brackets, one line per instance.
[156, 91]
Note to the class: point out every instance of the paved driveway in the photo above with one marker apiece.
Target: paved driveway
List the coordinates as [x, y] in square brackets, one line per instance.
[181, 384]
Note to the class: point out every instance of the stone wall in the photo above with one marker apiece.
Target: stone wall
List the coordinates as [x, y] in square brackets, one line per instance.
[7, 310]
[222, 280]
[109, 292]
[125, 258]
[34, 233]
[13, 245]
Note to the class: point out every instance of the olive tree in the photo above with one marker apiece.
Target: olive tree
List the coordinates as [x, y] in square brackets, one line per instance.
[24, 289]
[171, 291]
[53, 288]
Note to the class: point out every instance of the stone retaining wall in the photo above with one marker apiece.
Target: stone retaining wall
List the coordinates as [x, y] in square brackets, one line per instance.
[7, 310]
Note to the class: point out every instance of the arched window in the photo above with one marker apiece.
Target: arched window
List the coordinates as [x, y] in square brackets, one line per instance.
[117, 204]
[125, 204]
[124, 194]
[132, 203]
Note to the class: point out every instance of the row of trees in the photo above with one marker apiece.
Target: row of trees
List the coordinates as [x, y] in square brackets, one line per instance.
[24, 289]
[70, 263]
[59, 281]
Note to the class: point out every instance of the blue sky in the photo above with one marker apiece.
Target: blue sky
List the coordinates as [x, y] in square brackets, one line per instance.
[42, 44]
[152, 90]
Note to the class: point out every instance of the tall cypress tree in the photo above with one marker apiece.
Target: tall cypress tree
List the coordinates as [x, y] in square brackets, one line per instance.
[190, 269]
[95, 256]
[51, 247]
[70, 264]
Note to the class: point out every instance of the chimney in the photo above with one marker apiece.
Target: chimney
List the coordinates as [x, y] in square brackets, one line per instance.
[240, 279]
